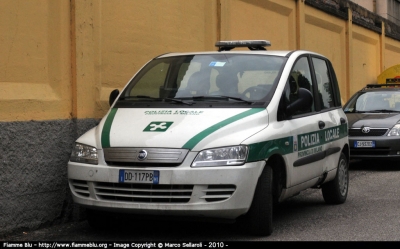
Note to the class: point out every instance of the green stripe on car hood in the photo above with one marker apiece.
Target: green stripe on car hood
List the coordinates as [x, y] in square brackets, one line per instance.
[201, 135]
[105, 134]
[262, 150]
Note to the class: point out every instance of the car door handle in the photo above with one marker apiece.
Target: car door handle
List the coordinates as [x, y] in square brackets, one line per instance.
[321, 124]
[342, 120]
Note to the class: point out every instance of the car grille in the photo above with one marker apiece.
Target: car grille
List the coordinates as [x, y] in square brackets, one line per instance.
[81, 188]
[356, 132]
[149, 193]
[215, 193]
[369, 151]
[160, 157]
[153, 193]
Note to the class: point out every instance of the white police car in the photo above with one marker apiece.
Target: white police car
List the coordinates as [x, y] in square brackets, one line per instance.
[220, 134]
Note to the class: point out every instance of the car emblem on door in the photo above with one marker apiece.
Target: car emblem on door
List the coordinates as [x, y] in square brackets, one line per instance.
[365, 130]
[142, 155]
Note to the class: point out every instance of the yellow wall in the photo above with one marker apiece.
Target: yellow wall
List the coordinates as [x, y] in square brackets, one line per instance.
[264, 20]
[366, 58]
[115, 38]
[34, 60]
[61, 59]
[392, 55]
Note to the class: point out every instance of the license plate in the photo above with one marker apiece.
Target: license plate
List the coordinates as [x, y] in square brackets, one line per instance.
[139, 176]
[364, 144]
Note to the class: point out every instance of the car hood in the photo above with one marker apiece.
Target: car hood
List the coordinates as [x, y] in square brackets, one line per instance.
[193, 129]
[376, 120]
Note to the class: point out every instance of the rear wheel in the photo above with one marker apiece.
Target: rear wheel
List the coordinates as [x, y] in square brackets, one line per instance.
[258, 219]
[335, 192]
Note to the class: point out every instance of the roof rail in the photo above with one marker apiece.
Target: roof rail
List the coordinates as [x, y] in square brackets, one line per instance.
[251, 44]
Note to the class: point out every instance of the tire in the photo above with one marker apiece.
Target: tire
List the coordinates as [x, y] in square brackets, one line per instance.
[258, 220]
[335, 191]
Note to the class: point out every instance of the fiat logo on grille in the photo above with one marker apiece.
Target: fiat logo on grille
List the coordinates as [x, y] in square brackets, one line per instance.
[142, 155]
[366, 130]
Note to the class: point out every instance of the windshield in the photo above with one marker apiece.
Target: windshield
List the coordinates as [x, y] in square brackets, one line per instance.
[374, 102]
[205, 78]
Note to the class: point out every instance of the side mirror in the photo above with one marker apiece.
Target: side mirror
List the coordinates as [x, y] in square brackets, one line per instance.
[303, 102]
[113, 95]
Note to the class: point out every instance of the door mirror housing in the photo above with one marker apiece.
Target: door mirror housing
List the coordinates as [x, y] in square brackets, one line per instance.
[113, 96]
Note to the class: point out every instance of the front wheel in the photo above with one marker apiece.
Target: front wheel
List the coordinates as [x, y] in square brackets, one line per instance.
[258, 219]
[335, 191]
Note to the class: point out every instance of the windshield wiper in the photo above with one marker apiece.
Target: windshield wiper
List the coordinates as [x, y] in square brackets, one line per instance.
[237, 98]
[383, 110]
[138, 97]
[179, 101]
[223, 97]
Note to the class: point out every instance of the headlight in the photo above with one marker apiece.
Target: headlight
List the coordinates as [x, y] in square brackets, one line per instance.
[84, 154]
[395, 131]
[227, 156]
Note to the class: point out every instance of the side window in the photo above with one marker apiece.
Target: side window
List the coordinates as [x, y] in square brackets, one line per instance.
[150, 82]
[325, 90]
[300, 77]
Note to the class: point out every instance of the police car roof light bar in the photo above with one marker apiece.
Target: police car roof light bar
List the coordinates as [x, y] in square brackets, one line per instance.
[251, 44]
[382, 85]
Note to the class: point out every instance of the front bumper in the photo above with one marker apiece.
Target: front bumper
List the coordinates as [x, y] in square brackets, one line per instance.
[385, 148]
[215, 192]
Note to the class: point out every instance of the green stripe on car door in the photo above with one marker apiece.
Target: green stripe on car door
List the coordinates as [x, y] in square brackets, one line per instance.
[200, 136]
[305, 146]
[105, 133]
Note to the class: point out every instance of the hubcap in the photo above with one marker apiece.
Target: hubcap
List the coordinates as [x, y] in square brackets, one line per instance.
[343, 182]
